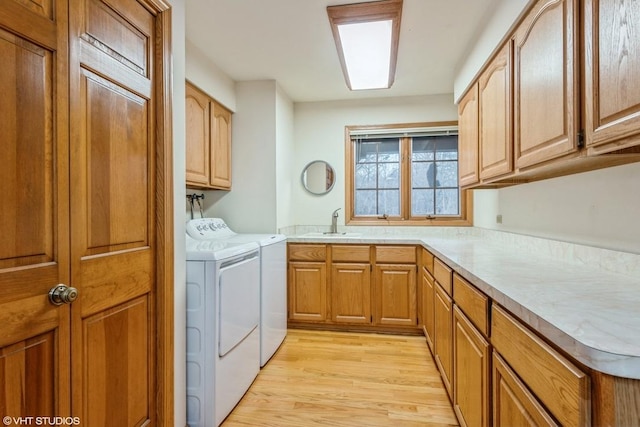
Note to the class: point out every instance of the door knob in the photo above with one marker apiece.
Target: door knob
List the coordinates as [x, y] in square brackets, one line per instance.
[62, 294]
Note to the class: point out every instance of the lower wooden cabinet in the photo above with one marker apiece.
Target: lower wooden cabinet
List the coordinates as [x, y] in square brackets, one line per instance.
[471, 362]
[428, 305]
[351, 293]
[395, 295]
[308, 291]
[513, 403]
[443, 340]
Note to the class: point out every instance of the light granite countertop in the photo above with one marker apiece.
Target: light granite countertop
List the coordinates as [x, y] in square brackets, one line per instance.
[583, 299]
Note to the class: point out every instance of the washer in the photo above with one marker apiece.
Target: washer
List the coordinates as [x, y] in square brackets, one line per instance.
[273, 284]
[223, 322]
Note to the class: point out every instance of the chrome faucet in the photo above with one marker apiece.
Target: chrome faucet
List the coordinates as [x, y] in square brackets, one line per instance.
[334, 222]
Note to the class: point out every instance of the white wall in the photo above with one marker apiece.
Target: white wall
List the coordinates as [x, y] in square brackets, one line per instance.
[598, 208]
[209, 78]
[506, 13]
[178, 64]
[284, 159]
[320, 135]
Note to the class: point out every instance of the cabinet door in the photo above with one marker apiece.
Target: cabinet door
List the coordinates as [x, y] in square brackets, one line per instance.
[428, 306]
[443, 340]
[468, 138]
[470, 373]
[496, 153]
[351, 293]
[197, 136]
[395, 295]
[513, 404]
[546, 79]
[220, 147]
[308, 291]
[612, 70]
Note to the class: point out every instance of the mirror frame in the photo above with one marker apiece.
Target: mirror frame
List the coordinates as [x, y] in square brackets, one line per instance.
[330, 171]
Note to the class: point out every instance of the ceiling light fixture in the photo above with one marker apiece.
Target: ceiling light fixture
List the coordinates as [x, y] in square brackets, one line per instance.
[366, 36]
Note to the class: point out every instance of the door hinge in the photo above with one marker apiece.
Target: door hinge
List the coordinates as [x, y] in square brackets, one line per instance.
[581, 139]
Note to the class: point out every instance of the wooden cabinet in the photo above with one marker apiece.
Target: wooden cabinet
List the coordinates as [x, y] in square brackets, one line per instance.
[513, 403]
[495, 135]
[351, 284]
[556, 382]
[427, 297]
[363, 286]
[612, 70]
[443, 340]
[471, 355]
[395, 286]
[208, 141]
[468, 138]
[546, 76]
[307, 283]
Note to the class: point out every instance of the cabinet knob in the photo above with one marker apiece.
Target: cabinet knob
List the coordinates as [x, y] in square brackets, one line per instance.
[62, 294]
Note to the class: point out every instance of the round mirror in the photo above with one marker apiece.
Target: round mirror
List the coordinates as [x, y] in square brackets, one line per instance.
[318, 177]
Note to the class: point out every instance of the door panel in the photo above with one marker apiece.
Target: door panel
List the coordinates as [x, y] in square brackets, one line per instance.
[34, 233]
[112, 205]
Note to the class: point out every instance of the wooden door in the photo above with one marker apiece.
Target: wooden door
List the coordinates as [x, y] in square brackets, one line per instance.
[113, 79]
[468, 138]
[395, 295]
[546, 77]
[220, 147]
[612, 70]
[351, 293]
[443, 340]
[494, 93]
[308, 291]
[197, 140]
[34, 223]
[470, 373]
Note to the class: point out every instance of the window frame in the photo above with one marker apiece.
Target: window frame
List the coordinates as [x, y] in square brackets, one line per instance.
[466, 196]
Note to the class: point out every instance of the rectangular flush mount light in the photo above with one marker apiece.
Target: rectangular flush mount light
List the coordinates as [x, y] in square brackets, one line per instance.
[367, 36]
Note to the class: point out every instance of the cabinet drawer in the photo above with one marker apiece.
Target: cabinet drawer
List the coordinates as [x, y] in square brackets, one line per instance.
[442, 274]
[307, 252]
[472, 302]
[427, 260]
[349, 253]
[561, 386]
[396, 254]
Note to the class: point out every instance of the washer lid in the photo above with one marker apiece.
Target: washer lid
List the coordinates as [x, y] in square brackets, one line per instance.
[213, 250]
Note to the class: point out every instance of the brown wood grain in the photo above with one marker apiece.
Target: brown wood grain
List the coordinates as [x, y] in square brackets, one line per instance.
[468, 138]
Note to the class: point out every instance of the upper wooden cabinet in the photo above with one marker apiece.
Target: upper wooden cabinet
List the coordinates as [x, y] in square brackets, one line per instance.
[546, 83]
[496, 153]
[612, 73]
[468, 138]
[208, 141]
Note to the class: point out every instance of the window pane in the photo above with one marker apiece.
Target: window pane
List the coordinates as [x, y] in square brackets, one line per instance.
[388, 175]
[389, 151]
[389, 202]
[447, 174]
[423, 175]
[367, 152]
[366, 175]
[422, 149]
[447, 202]
[447, 148]
[422, 202]
[365, 202]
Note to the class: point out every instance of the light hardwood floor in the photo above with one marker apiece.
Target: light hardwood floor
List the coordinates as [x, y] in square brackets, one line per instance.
[346, 379]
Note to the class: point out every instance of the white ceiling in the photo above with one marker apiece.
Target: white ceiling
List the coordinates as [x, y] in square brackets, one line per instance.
[290, 41]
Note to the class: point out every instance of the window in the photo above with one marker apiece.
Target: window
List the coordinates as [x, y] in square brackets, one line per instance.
[405, 174]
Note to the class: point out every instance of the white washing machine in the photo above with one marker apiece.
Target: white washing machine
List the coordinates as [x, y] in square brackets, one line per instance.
[273, 285]
[223, 323]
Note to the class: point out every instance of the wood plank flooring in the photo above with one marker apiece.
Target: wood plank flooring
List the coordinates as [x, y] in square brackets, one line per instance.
[346, 379]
